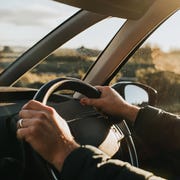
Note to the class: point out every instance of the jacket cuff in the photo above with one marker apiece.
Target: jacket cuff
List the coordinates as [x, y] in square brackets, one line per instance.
[88, 162]
[146, 116]
[76, 163]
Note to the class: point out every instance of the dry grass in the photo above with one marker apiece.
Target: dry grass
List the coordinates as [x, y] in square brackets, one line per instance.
[33, 78]
[171, 61]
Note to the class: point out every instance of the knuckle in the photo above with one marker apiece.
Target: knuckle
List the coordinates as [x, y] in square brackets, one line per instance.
[32, 130]
[21, 113]
[40, 115]
[50, 110]
[38, 123]
[31, 102]
[107, 88]
[28, 139]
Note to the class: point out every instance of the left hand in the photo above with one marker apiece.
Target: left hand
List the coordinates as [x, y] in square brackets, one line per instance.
[46, 132]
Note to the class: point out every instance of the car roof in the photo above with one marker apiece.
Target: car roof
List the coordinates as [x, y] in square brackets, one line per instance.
[128, 9]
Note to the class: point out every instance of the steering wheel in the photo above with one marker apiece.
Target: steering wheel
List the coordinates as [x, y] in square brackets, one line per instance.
[86, 124]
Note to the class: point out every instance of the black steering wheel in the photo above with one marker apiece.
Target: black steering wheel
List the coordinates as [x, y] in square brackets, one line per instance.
[86, 124]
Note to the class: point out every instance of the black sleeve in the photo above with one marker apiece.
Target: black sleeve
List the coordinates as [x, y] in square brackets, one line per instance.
[9, 145]
[158, 129]
[89, 163]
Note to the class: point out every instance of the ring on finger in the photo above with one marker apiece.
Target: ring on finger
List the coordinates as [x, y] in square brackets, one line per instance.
[20, 123]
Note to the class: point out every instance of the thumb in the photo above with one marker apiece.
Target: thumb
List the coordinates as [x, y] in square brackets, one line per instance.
[88, 102]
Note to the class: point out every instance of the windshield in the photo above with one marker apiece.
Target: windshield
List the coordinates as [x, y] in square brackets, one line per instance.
[30, 21]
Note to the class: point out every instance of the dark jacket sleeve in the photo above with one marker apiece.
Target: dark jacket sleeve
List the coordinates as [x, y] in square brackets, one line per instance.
[89, 163]
[158, 129]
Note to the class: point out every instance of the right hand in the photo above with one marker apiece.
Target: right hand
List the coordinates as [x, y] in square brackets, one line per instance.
[111, 103]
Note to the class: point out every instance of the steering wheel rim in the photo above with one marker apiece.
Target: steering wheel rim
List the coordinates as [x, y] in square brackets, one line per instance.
[47, 89]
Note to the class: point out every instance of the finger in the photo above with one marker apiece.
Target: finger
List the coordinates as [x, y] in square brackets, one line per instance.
[22, 133]
[27, 134]
[30, 114]
[84, 101]
[34, 105]
[31, 129]
[25, 123]
[39, 107]
[26, 113]
[89, 101]
[100, 88]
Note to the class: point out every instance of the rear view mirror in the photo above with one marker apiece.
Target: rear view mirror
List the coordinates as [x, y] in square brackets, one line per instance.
[136, 93]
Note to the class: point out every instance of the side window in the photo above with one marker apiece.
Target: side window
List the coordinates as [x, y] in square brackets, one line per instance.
[23, 23]
[157, 64]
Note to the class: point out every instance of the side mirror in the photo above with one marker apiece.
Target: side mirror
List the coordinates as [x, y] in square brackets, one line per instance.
[136, 93]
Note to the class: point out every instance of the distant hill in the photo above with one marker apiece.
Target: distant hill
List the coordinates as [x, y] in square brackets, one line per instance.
[66, 52]
[171, 60]
[82, 51]
[88, 52]
[8, 49]
[9, 54]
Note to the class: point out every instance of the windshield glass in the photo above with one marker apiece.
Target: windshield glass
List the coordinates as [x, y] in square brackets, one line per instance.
[30, 21]
[75, 57]
[23, 23]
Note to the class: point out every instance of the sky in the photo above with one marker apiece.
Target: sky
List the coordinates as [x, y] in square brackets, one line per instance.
[24, 22]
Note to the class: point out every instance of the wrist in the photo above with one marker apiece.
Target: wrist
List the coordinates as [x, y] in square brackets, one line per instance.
[63, 154]
[129, 112]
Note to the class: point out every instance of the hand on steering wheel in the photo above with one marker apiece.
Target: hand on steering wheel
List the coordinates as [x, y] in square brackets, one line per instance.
[93, 130]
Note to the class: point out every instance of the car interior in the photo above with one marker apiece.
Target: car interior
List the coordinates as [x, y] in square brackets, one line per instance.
[138, 21]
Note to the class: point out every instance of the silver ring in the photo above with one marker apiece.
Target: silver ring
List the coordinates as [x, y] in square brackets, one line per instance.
[20, 123]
